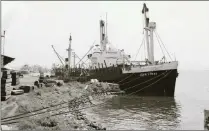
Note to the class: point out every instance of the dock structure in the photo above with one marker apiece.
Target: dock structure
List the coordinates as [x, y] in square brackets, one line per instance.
[206, 119]
[7, 78]
[5, 60]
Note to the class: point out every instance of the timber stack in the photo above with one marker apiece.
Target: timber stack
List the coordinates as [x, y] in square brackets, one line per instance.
[6, 82]
[15, 78]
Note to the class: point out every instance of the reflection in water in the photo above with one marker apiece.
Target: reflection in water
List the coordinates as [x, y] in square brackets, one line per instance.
[123, 112]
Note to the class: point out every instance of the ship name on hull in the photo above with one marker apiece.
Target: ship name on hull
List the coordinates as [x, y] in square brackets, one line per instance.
[148, 74]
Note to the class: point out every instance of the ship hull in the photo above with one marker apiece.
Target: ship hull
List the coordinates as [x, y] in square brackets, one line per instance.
[151, 83]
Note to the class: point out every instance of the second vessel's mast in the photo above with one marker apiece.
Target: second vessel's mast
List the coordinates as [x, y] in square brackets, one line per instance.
[69, 52]
[106, 39]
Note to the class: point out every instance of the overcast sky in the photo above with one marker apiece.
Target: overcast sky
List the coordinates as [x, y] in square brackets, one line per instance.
[32, 27]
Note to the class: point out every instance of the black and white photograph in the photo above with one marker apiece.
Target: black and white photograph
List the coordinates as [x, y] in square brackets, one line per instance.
[104, 65]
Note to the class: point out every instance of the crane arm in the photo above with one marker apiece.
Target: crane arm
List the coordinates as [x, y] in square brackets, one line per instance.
[58, 56]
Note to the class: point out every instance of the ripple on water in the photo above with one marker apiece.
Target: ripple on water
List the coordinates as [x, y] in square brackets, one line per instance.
[149, 113]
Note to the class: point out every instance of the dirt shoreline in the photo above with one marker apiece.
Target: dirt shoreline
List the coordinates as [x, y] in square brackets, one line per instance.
[45, 97]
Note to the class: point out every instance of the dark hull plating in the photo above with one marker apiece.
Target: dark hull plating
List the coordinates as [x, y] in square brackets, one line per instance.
[155, 83]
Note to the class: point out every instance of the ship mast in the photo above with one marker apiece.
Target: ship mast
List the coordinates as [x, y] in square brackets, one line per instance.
[106, 39]
[149, 27]
[73, 59]
[69, 51]
[145, 11]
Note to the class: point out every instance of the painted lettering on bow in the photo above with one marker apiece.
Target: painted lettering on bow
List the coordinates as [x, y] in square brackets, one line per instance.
[148, 74]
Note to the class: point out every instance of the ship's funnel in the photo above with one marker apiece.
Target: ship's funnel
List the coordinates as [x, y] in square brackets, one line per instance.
[102, 35]
[102, 30]
[102, 23]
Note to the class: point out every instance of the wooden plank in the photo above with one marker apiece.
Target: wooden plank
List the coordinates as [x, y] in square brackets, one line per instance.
[6, 93]
[6, 72]
[6, 88]
[3, 81]
[7, 76]
[4, 98]
[5, 85]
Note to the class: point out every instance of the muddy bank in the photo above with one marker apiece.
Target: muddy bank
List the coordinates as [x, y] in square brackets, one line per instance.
[55, 118]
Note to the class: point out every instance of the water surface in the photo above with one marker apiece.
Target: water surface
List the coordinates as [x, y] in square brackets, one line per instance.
[184, 111]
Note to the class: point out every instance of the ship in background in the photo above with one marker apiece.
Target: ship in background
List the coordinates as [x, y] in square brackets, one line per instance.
[144, 78]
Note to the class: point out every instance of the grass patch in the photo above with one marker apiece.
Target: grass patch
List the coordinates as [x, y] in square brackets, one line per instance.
[39, 92]
[24, 107]
[28, 124]
[46, 123]
[13, 99]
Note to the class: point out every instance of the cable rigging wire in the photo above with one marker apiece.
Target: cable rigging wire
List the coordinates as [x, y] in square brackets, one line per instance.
[86, 53]
[160, 45]
[163, 44]
[140, 47]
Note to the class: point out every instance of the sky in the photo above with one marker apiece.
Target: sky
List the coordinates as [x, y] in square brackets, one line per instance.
[32, 27]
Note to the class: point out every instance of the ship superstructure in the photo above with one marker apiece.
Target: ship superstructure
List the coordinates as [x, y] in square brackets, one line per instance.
[152, 78]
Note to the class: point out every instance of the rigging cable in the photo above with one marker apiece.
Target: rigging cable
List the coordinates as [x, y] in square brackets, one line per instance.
[163, 44]
[140, 47]
[80, 59]
[145, 56]
[86, 53]
[135, 59]
[160, 45]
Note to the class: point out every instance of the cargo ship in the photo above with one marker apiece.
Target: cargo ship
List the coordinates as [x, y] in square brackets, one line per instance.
[143, 78]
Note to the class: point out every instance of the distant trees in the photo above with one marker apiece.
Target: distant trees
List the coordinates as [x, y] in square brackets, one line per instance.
[38, 68]
[55, 66]
[34, 68]
[25, 67]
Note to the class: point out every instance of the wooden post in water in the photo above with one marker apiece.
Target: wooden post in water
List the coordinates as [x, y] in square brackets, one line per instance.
[98, 65]
[102, 67]
[105, 63]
